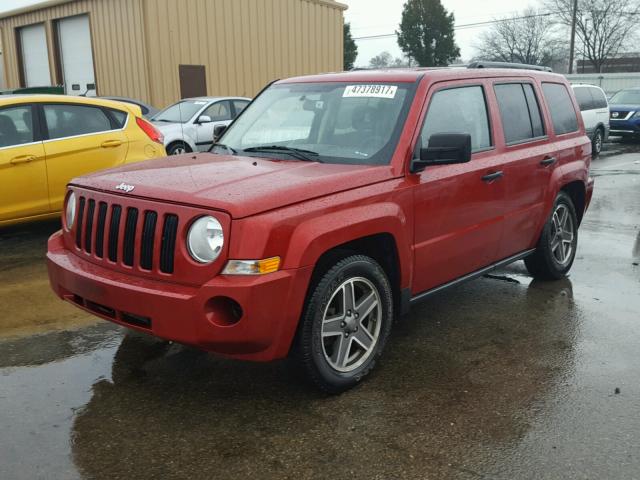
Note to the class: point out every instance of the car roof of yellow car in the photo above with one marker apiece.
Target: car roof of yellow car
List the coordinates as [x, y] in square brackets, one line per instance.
[48, 98]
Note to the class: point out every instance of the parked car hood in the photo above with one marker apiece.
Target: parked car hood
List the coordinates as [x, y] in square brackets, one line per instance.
[623, 107]
[241, 186]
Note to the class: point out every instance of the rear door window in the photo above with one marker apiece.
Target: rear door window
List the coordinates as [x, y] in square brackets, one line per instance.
[519, 111]
[563, 115]
[459, 110]
[534, 110]
[67, 120]
[239, 106]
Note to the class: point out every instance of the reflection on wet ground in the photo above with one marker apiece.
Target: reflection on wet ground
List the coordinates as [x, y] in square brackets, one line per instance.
[503, 377]
[27, 303]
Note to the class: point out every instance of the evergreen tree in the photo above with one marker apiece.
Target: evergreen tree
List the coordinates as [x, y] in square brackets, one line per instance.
[426, 33]
[350, 48]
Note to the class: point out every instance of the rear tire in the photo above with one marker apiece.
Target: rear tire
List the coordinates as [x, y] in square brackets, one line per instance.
[597, 141]
[556, 248]
[345, 325]
[178, 148]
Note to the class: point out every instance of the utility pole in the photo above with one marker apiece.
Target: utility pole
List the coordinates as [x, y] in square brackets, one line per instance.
[572, 45]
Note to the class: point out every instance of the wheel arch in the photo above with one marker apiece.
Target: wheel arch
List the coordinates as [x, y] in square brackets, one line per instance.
[178, 140]
[381, 247]
[578, 194]
[366, 228]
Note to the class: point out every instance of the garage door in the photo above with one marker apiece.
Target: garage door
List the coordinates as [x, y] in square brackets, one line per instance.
[35, 56]
[76, 56]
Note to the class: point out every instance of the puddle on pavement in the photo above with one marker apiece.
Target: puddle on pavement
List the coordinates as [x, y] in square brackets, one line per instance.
[28, 306]
[460, 375]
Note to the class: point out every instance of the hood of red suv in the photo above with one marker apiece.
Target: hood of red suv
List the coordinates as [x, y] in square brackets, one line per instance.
[242, 186]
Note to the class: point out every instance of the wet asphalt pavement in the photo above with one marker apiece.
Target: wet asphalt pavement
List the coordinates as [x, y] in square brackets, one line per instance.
[502, 377]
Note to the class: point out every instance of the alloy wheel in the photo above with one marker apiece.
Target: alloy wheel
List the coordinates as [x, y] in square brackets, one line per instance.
[351, 324]
[562, 235]
[598, 142]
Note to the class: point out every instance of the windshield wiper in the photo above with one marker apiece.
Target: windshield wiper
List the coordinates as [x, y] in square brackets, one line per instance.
[222, 145]
[299, 153]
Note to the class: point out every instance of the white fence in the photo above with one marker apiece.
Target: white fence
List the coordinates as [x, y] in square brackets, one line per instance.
[609, 82]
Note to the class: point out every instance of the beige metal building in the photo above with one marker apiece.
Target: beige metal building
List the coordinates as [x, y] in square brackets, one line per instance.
[162, 50]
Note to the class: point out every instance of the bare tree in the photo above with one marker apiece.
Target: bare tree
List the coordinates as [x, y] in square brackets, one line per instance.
[526, 37]
[385, 60]
[604, 27]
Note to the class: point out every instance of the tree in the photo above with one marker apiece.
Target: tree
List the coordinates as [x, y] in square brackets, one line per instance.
[604, 27]
[350, 47]
[385, 60]
[382, 60]
[426, 33]
[526, 37]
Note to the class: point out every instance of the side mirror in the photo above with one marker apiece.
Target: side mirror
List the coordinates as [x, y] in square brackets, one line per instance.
[443, 149]
[204, 119]
[218, 131]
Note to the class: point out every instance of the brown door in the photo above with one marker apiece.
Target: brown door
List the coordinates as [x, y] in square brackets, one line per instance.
[193, 81]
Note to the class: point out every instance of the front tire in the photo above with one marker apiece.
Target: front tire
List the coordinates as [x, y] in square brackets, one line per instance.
[556, 248]
[346, 322]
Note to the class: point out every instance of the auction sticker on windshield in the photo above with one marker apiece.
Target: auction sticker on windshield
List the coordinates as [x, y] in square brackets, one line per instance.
[370, 91]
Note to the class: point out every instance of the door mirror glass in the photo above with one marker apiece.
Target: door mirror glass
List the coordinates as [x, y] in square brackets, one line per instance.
[443, 149]
[218, 131]
[204, 119]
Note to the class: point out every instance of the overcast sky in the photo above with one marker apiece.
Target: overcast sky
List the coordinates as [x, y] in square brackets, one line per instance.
[375, 17]
[6, 5]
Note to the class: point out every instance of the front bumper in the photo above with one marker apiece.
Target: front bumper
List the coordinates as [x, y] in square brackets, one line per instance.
[271, 305]
[625, 128]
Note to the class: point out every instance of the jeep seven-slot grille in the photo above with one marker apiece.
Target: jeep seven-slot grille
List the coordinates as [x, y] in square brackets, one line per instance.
[99, 228]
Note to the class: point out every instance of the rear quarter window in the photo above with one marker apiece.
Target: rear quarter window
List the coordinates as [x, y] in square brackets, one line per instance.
[119, 117]
[599, 98]
[563, 115]
[584, 98]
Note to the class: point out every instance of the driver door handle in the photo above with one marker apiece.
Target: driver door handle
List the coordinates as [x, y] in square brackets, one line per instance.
[490, 177]
[22, 159]
[547, 161]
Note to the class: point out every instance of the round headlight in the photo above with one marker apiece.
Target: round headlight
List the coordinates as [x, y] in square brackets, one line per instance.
[205, 239]
[71, 210]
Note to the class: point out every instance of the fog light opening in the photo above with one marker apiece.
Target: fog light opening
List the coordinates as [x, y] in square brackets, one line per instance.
[223, 311]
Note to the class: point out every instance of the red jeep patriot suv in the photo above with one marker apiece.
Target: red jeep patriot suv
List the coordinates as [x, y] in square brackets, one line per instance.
[329, 206]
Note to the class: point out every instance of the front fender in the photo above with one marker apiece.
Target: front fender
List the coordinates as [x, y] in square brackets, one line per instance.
[317, 235]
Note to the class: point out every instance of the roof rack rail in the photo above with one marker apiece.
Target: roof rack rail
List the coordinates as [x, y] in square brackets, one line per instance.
[520, 66]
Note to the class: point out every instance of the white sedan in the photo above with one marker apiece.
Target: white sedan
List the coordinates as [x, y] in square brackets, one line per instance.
[188, 125]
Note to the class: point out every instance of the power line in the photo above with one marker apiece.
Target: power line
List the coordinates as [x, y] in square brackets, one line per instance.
[472, 25]
[463, 26]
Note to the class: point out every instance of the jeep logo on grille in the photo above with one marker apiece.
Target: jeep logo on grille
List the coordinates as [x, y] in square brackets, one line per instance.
[125, 188]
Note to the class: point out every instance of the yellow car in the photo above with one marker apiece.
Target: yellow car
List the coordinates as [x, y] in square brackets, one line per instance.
[46, 140]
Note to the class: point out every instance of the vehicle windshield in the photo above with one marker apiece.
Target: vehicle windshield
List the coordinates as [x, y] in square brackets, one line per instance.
[180, 112]
[623, 97]
[325, 122]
